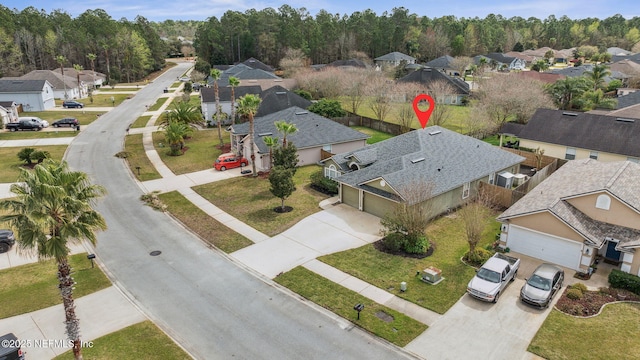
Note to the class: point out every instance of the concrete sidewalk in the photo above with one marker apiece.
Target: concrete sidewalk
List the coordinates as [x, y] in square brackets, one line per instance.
[100, 313]
[14, 257]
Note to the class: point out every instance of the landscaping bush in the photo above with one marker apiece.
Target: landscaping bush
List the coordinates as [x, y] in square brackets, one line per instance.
[574, 294]
[394, 242]
[40, 155]
[323, 184]
[580, 286]
[623, 280]
[418, 246]
[478, 256]
[303, 93]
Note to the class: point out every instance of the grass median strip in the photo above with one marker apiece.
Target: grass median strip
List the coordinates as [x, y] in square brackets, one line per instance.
[139, 341]
[377, 319]
[137, 158]
[208, 228]
[32, 287]
[10, 165]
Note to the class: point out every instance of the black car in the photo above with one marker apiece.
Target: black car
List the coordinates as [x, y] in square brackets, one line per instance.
[71, 122]
[7, 239]
[68, 104]
[10, 347]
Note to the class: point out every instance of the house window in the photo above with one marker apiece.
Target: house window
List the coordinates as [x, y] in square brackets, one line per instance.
[492, 178]
[603, 202]
[571, 154]
[327, 147]
[593, 155]
[465, 190]
[331, 172]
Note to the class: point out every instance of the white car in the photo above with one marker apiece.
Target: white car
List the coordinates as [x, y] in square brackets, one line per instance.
[45, 123]
[185, 78]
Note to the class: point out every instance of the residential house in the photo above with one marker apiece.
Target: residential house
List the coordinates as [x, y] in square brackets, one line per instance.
[573, 135]
[627, 97]
[459, 89]
[91, 79]
[627, 67]
[349, 64]
[257, 64]
[528, 59]
[278, 98]
[633, 57]
[8, 112]
[586, 209]
[444, 64]
[208, 100]
[574, 71]
[64, 87]
[249, 76]
[315, 134]
[501, 62]
[31, 95]
[616, 51]
[434, 167]
[393, 59]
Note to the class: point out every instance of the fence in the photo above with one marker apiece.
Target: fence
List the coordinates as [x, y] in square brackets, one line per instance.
[357, 120]
[530, 158]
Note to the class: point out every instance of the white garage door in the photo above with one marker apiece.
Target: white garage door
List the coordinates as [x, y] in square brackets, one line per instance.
[545, 247]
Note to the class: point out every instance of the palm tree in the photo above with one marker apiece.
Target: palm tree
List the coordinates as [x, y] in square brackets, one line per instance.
[53, 208]
[595, 99]
[248, 106]
[60, 59]
[78, 68]
[285, 128]
[215, 74]
[597, 75]
[233, 83]
[565, 91]
[175, 134]
[92, 57]
[271, 143]
[184, 112]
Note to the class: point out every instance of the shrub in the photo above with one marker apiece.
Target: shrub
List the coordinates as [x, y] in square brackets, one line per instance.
[394, 242]
[323, 183]
[419, 245]
[327, 108]
[40, 155]
[580, 286]
[304, 94]
[478, 256]
[26, 155]
[622, 280]
[574, 294]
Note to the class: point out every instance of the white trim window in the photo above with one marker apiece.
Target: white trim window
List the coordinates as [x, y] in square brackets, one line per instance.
[492, 178]
[326, 147]
[466, 189]
[331, 172]
[593, 155]
[570, 154]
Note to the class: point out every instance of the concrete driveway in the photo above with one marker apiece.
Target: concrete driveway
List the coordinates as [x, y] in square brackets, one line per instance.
[335, 229]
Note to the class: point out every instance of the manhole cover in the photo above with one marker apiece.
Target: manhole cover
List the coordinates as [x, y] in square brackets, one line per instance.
[155, 253]
[384, 316]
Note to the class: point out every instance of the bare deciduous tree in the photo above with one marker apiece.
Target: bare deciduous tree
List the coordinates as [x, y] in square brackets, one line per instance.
[440, 91]
[379, 90]
[405, 116]
[460, 64]
[293, 61]
[475, 217]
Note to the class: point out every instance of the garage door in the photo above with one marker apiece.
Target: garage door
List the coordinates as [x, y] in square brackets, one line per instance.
[377, 205]
[350, 196]
[545, 247]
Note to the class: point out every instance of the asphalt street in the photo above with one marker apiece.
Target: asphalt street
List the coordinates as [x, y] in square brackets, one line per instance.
[210, 305]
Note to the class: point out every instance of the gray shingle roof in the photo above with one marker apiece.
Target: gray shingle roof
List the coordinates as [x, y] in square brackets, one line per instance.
[278, 98]
[224, 92]
[436, 156]
[628, 100]
[242, 72]
[583, 177]
[429, 75]
[257, 64]
[499, 57]
[395, 56]
[585, 131]
[313, 130]
[21, 86]
[349, 63]
[443, 62]
[54, 78]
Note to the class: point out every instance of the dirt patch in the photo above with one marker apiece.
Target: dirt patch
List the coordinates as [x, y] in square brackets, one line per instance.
[379, 245]
[384, 316]
[592, 301]
[282, 210]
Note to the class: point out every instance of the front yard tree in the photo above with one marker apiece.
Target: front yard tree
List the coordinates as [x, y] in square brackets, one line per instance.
[215, 75]
[233, 83]
[175, 134]
[404, 227]
[474, 216]
[282, 185]
[440, 91]
[286, 129]
[53, 207]
[248, 106]
[286, 157]
[184, 112]
[271, 143]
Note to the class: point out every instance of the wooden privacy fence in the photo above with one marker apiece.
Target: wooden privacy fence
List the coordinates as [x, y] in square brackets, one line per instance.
[357, 120]
[530, 158]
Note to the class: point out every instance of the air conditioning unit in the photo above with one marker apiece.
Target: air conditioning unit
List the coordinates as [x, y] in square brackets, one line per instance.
[431, 275]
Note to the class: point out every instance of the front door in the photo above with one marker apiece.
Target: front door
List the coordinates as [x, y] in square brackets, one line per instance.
[612, 253]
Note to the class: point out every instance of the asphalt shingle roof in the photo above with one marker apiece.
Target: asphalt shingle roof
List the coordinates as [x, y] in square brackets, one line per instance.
[436, 156]
[585, 131]
[21, 86]
[429, 75]
[278, 98]
[224, 92]
[443, 62]
[584, 177]
[628, 100]
[313, 130]
[395, 56]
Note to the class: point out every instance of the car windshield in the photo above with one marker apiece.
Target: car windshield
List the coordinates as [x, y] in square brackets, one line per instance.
[539, 282]
[488, 275]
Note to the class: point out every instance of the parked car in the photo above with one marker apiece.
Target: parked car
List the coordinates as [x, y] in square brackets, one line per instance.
[26, 123]
[69, 104]
[493, 277]
[7, 239]
[45, 123]
[229, 161]
[70, 122]
[540, 288]
[10, 348]
[184, 78]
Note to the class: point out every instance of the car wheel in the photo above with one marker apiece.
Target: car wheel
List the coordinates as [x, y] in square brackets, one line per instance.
[243, 164]
[55, 125]
[514, 275]
[4, 247]
[222, 168]
[495, 299]
[13, 129]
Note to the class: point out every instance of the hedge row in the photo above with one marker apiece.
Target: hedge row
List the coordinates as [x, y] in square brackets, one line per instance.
[623, 280]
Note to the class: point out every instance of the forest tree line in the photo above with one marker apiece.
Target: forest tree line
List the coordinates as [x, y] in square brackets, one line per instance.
[128, 50]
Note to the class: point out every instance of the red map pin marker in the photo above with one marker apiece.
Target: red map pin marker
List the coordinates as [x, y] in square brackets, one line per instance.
[423, 116]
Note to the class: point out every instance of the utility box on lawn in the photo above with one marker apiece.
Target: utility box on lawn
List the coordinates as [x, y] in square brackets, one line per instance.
[432, 275]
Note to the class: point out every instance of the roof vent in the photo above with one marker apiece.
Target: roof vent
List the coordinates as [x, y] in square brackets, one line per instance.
[625, 120]
[281, 92]
[265, 134]
[302, 112]
[569, 114]
[415, 161]
[435, 132]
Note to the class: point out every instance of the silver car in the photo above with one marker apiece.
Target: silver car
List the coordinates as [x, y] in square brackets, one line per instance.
[542, 285]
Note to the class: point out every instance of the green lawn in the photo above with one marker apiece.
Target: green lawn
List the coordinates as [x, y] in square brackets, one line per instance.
[139, 341]
[102, 100]
[157, 104]
[610, 335]
[202, 151]
[400, 330]
[136, 157]
[255, 207]
[141, 121]
[10, 165]
[376, 136]
[31, 287]
[388, 271]
[84, 118]
[208, 228]
[24, 135]
[119, 88]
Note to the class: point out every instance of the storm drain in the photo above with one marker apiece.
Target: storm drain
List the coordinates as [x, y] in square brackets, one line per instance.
[155, 253]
